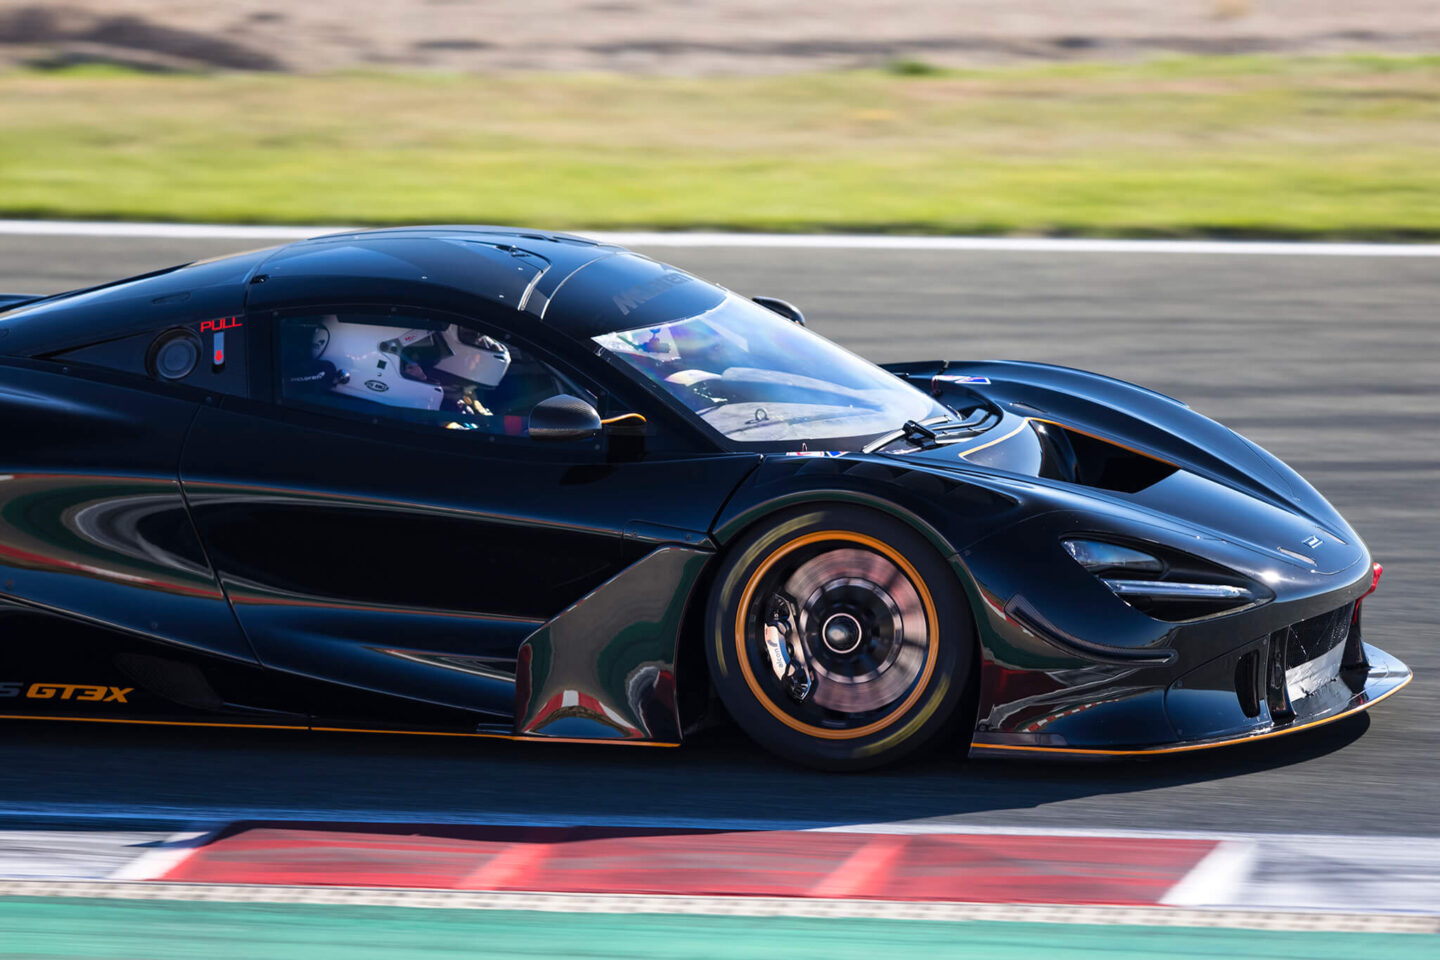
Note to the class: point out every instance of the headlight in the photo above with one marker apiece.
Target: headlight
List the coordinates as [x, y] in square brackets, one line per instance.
[1096, 556]
[1177, 587]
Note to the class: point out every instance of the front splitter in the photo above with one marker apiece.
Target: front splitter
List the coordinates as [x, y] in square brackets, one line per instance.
[1387, 675]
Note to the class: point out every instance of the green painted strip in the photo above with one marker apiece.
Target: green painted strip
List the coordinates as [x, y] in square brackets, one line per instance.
[53, 928]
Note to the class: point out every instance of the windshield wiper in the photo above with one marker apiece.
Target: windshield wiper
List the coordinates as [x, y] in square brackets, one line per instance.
[934, 431]
[917, 433]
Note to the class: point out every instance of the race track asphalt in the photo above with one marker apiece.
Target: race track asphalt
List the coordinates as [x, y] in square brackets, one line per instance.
[1333, 363]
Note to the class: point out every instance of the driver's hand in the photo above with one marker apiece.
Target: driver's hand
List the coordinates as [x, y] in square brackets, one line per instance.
[469, 404]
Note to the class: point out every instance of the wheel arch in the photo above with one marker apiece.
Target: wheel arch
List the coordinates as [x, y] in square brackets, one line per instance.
[732, 528]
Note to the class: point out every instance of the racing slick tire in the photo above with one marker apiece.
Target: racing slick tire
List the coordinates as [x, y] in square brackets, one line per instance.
[838, 637]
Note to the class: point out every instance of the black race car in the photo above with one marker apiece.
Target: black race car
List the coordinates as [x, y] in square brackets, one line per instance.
[489, 482]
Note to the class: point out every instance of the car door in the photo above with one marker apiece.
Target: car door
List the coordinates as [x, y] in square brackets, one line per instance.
[378, 528]
[92, 519]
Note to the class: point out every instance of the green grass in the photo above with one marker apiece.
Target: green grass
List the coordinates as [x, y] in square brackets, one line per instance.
[1231, 146]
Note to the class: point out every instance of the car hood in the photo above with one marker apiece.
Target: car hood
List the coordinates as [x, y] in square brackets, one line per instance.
[1222, 486]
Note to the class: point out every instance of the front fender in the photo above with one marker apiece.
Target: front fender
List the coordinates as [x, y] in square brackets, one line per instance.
[948, 511]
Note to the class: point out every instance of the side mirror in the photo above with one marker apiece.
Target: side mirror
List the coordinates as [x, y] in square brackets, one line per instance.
[563, 417]
[785, 308]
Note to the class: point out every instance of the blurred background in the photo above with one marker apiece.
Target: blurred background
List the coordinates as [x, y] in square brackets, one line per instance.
[1276, 118]
[1215, 120]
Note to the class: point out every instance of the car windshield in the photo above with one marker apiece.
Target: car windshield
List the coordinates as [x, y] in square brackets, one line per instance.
[757, 378]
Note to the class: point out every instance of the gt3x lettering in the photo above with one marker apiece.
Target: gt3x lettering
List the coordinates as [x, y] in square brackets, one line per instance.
[67, 691]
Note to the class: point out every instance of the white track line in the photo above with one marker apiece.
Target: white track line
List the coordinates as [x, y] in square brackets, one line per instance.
[162, 858]
[1016, 244]
[728, 906]
[1217, 878]
[637, 238]
[162, 231]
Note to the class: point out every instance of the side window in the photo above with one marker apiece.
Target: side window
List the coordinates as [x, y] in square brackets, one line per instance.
[414, 369]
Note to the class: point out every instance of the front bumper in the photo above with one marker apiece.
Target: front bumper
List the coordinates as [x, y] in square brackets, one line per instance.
[1348, 692]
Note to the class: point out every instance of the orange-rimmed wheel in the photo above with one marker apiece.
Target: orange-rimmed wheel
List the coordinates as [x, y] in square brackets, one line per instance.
[839, 637]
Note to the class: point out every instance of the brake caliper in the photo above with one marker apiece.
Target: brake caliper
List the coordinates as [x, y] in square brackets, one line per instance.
[787, 654]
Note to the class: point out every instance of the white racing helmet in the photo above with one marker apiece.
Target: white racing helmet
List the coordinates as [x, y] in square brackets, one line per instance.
[369, 362]
[475, 357]
[373, 360]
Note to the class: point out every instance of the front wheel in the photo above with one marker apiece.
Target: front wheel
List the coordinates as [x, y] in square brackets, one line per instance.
[838, 637]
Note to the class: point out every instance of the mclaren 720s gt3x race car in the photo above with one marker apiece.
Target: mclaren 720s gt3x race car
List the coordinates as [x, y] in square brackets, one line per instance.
[493, 482]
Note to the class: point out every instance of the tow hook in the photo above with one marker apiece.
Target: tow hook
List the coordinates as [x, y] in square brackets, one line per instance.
[787, 656]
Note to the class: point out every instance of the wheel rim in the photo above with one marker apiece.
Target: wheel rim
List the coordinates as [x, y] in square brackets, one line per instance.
[867, 626]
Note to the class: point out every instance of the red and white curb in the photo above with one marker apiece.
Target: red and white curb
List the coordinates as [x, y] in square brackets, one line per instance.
[1307, 882]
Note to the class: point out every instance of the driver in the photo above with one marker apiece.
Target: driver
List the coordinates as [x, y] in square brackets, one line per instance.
[464, 363]
[397, 366]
